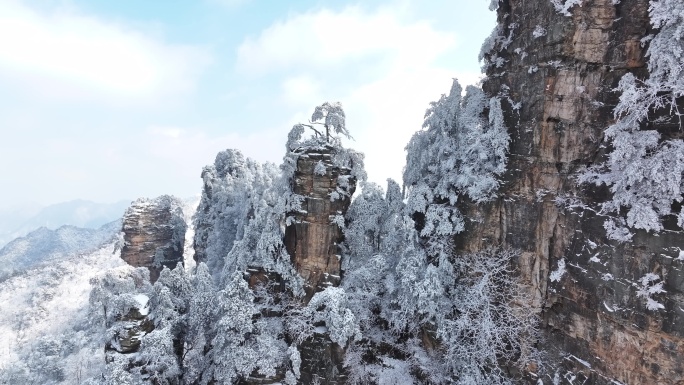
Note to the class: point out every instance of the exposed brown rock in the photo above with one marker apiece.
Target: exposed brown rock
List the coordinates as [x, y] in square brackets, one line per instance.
[594, 326]
[154, 234]
[322, 361]
[312, 240]
[135, 324]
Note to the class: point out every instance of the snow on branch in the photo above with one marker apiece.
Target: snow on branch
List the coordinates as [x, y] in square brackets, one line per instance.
[461, 152]
[651, 284]
[331, 115]
[644, 171]
[328, 123]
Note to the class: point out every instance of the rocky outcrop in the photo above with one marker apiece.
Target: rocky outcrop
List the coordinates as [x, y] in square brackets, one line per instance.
[133, 326]
[154, 234]
[595, 328]
[312, 240]
[322, 361]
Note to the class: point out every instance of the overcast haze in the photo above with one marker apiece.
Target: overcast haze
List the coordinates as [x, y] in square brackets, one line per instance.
[109, 100]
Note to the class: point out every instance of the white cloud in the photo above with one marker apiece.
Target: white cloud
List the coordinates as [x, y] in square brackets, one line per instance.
[324, 38]
[387, 112]
[300, 88]
[385, 106]
[169, 132]
[183, 152]
[66, 53]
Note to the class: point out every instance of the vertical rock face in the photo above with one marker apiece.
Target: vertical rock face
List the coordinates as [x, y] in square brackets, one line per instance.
[154, 234]
[322, 362]
[312, 240]
[596, 328]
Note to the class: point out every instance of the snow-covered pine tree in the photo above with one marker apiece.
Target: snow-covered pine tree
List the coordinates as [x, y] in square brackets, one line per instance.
[231, 185]
[199, 326]
[243, 342]
[460, 153]
[332, 117]
[644, 170]
[430, 299]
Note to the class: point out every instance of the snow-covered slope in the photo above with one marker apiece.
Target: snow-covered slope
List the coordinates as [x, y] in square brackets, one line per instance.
[43, 244]
[45, 333]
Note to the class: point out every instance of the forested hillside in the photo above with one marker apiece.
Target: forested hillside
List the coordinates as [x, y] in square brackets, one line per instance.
[536, 238]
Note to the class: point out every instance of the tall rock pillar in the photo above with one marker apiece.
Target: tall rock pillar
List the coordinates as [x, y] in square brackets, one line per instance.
[154, 234]
[313, 239]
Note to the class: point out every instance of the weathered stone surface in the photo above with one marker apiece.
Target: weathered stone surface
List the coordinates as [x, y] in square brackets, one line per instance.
[154, 234]
[135, 324]
[313, 239]
[322, 361]
[594, 326]
[312, 242]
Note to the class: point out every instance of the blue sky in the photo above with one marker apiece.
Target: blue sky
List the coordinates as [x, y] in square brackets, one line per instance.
[108, 100]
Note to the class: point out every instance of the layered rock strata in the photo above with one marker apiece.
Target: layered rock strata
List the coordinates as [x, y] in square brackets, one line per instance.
[312, 240]
[595, 328]
[154, 234]
[322, 361]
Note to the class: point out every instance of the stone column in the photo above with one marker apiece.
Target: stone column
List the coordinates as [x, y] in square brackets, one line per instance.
[154, 234]
[313, 239]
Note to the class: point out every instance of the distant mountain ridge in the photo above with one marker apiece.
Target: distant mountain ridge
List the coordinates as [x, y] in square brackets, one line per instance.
[43, 245]
[80, 213]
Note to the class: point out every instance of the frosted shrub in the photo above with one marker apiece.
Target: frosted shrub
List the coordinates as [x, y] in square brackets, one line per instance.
[330, 307]
[539, 31]
[556, 275]
[488, 320]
